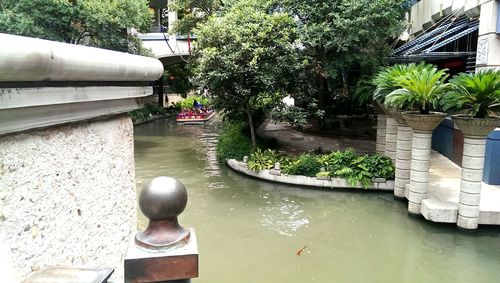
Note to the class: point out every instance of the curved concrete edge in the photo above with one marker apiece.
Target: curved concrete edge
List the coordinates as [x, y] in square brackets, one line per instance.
[269, 175]
[32, 59]
[34, 108]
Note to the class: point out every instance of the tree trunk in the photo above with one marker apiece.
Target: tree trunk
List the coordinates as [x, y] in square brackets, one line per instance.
[252, 128]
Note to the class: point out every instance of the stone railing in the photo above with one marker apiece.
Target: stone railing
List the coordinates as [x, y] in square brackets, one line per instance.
[67, 181]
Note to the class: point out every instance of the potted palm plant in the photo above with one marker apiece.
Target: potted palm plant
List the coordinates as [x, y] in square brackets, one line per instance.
[476, 97]
[421, 88]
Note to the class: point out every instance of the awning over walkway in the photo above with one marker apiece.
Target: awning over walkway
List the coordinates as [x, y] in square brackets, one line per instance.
[444, 40]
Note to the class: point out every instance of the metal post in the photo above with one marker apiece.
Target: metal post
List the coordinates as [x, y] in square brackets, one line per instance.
[160, 92]
[165, 251]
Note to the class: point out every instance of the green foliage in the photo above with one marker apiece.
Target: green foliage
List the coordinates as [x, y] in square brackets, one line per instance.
[385, 80]
[380, 166]
[305, 164]
[260, 160]
[188, 102]
[363, 91]
[233, 142]
[477, 95]
[247, 58]
[342, 40]
[100, 23]
[422, 87]
[178, 78]
[294, 115]
[194, 12]
[357, 168]
[149, 110]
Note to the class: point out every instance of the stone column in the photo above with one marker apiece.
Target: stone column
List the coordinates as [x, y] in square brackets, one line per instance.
[419, 169]
[381, 126]
[488, 44]
[172, 18]
[403, 153]
[470, 183]
[391, 138]
[475, 132]
[422, 126]
[403, 159]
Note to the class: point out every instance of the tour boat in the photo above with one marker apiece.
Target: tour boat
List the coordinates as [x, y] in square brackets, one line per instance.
[193, 118]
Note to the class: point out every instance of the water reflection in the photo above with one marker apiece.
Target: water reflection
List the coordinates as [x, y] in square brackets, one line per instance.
[250, 231]
[283, 216]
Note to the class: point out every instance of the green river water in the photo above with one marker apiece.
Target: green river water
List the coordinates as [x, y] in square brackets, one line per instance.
[250, 231]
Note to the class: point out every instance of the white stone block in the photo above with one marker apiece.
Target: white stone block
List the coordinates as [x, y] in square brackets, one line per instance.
[420, 177]
[473, 162]
[467, 223]
[468, 211]
[421, 154]
[418, 187]
[414, 208]
[471, 174]
[437, 211]
[470, 187]
[469, 199]
[421, 142]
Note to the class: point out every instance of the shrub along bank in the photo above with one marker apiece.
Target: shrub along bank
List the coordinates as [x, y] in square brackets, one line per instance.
[355, 168]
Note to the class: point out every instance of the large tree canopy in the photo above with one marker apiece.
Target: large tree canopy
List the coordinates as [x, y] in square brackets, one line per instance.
[343, 37]
[193, 12]
[100, 23]
[247, 57]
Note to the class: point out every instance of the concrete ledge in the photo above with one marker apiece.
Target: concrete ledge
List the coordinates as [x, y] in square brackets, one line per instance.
[31, 59]
[23, 109]
[304, 180]
[437, 211]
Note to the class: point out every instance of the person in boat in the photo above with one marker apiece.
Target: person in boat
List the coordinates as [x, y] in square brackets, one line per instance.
[197, 105]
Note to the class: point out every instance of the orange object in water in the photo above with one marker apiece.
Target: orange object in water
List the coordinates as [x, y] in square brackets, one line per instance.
[299, 252]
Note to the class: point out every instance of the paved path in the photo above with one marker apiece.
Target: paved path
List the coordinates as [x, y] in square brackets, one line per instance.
[444, 175]
[295, 141]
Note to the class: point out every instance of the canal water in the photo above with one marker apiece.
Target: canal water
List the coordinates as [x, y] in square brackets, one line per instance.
[254, 231]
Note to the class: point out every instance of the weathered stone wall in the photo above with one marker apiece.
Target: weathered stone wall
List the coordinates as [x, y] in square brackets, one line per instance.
[67, 195]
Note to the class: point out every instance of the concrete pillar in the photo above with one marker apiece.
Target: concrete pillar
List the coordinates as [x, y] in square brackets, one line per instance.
[488, 44]
[381, 129]
[422, 126]
[67, 188]
[172, 18]
[156, 26]
[391, 138]
[471, 181]
[475, 131]
[419, 174]
[403, 159]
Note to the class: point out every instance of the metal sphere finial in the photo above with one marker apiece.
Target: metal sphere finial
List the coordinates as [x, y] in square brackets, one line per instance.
[162, 200]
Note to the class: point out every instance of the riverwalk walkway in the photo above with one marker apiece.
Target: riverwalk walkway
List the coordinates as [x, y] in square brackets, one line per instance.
[441, 204]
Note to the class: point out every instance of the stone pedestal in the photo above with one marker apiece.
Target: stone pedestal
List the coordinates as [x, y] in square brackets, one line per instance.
[422, 126]
[178, 264]
[475, 132]
[165, 251]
